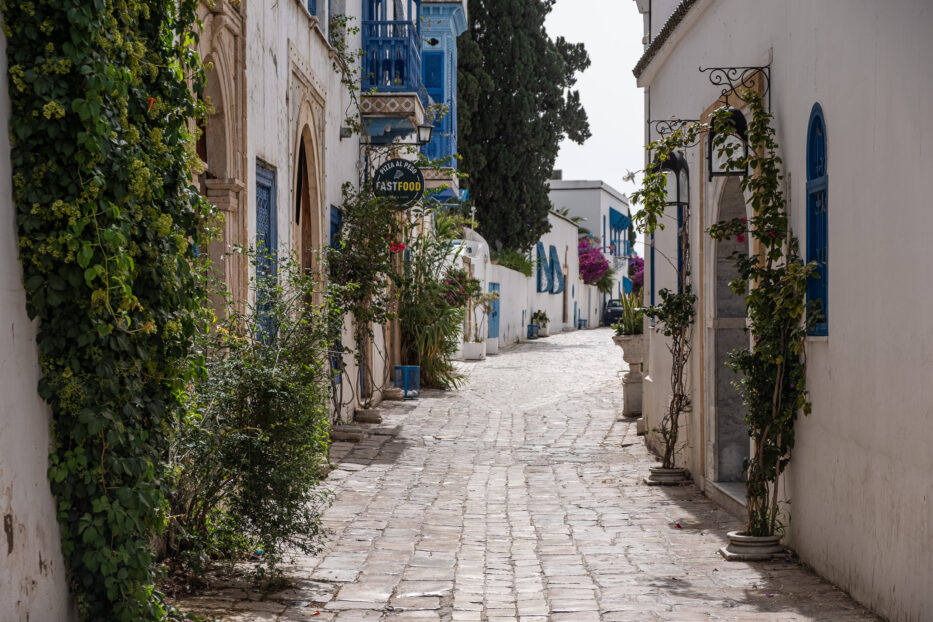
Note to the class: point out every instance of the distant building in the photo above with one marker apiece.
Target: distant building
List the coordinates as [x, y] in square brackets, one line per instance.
[602, 212]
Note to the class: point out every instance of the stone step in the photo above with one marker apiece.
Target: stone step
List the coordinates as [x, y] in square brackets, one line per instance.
[348, 433]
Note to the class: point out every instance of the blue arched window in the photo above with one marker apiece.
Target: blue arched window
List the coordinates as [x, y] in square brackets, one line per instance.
[817, 217]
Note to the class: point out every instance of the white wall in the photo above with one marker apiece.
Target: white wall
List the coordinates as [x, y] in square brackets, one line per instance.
[291, 83]
[860, 491]
[32, 576]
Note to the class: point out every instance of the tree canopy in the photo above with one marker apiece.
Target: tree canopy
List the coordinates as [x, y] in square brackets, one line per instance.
[516, 103]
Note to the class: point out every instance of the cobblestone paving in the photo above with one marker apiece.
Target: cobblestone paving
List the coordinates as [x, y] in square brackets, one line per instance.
[519, 498]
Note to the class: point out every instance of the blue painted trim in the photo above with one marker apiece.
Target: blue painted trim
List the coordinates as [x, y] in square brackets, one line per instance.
[651, 272]
[557, 274]
[545, 279]
[818, 215]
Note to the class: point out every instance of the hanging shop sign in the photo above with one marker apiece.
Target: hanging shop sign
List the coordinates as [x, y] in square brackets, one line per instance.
[399, 180]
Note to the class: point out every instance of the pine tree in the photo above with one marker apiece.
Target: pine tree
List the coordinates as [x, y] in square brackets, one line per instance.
[515, 105]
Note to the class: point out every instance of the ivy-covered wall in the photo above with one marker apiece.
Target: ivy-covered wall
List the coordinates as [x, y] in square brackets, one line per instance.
[32, 581]
[108, 230]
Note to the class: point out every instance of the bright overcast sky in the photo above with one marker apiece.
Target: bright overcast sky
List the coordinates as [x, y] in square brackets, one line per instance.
[611, 31]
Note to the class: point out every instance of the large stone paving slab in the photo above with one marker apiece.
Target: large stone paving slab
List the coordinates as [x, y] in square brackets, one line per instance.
[519, 498]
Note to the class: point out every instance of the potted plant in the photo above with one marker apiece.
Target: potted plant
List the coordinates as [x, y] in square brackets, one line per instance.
[480, 305]
[629, 335]
[676, 313]
[773, 280]
[540, 318]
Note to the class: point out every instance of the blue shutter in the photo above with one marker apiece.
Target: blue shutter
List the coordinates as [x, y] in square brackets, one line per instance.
[494, 313]
[312, 7]
[545, 279]
[651, 274]
[818, 217]
[557, 274]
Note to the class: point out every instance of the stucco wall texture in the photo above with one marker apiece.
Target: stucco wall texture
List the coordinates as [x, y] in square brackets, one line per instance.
[859, 491]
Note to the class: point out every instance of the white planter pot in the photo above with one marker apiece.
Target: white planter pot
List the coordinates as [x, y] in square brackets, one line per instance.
[744, 548]
[473, 351]
[634, 350]
[492, 345]
[544, 330]
[667, 477]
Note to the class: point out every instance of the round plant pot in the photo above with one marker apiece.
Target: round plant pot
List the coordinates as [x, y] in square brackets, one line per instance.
[742, 548]
[667, 477]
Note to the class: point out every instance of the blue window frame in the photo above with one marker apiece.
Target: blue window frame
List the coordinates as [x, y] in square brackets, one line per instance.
[651, 274]
[266, 247]
[818, 217]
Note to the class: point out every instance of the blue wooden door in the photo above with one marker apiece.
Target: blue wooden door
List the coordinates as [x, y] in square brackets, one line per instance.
[494, 313]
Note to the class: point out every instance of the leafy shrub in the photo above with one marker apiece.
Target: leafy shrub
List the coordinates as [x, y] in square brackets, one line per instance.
[631, 321]
[247, 459]
[430, 323]
[514, 260]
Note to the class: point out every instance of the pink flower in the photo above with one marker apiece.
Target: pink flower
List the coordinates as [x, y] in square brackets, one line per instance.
[743, 219]
[740, 238]
[772, 233]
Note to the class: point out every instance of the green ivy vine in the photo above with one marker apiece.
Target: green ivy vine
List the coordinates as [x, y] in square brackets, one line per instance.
[773, 281]
[676, 313]
[108, 226]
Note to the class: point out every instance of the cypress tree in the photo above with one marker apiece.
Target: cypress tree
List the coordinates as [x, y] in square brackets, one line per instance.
[516, 103]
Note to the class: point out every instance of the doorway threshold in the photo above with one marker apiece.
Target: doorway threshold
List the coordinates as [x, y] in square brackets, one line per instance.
[728, 495]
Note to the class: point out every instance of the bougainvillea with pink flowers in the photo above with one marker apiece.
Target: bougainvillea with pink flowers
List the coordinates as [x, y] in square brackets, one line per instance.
[593, 264]
[636, 272]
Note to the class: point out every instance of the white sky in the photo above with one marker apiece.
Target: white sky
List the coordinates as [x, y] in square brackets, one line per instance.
[612, 32]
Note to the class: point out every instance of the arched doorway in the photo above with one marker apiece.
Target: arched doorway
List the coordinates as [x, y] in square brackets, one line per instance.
[307, 205]
[731, 439]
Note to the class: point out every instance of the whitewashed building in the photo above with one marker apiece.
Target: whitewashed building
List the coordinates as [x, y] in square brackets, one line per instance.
[554, 287]
[602, 212]
[848, 83]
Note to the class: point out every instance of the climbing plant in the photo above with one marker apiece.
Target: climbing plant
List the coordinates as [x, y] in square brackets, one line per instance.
[108, 227]
[773, 280]
[676, 313]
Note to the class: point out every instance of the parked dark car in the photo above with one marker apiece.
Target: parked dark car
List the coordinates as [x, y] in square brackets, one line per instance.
[612, 312]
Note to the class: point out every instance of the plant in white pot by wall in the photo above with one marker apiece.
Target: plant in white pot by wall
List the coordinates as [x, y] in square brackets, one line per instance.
[772, 370]
[629, 335]
[662, 192]
[480, 305]
[540, 318]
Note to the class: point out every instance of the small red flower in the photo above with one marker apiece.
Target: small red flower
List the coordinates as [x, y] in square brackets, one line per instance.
[743, 219]
[740, 238]
[151, 101]
[772, 233]
[678, 526]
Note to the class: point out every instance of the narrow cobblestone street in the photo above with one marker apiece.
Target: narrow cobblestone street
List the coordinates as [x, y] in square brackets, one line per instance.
[519, 497]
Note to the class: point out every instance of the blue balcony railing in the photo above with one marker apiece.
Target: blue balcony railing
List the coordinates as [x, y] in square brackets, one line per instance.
[393, 57]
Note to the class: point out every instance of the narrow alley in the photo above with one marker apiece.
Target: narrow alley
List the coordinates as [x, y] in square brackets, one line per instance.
[519, 497]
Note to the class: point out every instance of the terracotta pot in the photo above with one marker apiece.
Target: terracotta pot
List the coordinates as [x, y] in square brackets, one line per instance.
[744, 548]
[667, 477]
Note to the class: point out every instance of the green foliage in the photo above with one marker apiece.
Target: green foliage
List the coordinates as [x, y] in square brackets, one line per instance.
[515, 106]
[108, 224]
[773, 372]
[365, 257]
[514, 260]
[605, 282]
[431, 324]
[675, 315]
[540, 318]
[253, 442]
[631, 322]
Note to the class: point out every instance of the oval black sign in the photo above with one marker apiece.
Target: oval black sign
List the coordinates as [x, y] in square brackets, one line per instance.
[400, 180]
